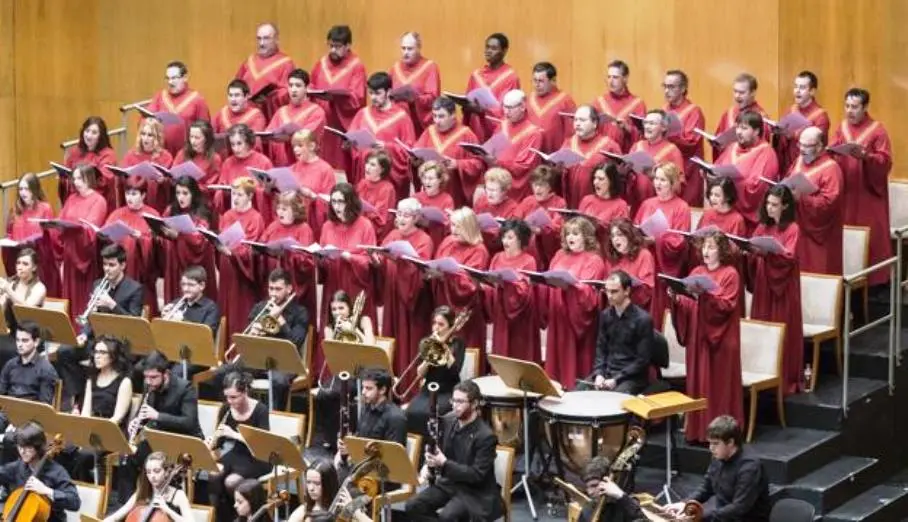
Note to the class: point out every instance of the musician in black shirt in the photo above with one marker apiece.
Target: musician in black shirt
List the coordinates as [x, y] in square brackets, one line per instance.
[29, 375]
[735, 477]
[617, 507]
[193, 306]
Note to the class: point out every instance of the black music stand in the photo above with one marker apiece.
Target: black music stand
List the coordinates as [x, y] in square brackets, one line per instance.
[271, 355]
[527, 377]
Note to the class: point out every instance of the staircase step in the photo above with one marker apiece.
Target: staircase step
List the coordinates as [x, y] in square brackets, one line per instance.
[882, 503]
[837, 482]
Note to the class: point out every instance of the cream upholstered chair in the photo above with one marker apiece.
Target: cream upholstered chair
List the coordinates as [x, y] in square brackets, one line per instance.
[202, 513]
[504, 475]
[388, 344]
[470, 368]
[748, 303]
[898, 210]
[695, 215]
[94, 501]
[762, 345]
[208, 416]
[677, 365]
[405, 491]
[293, 427]
[856, 257]
[821, 311]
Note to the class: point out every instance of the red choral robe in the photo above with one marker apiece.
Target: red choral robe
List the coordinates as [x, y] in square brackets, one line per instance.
[465, 177]
[425, 78]
[758, 161]
[605, 211]
[820, 217]
[319, 177]
[643, 268]
[386, 126]
[517, 158]
[300, 266]
[727, 121]
[251, 116]
[690, 144]
[107, 181]
[238, 275]
[731, 222]
[382, 196]
[548, 241]
[349, 74]
[76, 249]
[158, 194]
[460, 291]
[776, 286]
[442, 201]
[787, 146]
[499, 81]
[210, 166]
[308, 115]
[544, 111]
[620, 107]
[260, 72]
[235, 167]
[867, 187]
[577, 180]
[640, 186]
[183, 252]
[19, 228]
[506, 209]
[710, 329]
[406, 297]
[188, 105]
[570, 316]
[671, 252]
[511, 307]
[141, 263]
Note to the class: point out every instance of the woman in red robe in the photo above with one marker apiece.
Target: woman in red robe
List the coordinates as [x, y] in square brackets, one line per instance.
[511, 306]
[626, 251]
[570, 312]
[32, 204]
[315, 175]
[458, 290]
[200, 151]
[178, 250]
[723, 215]
[670, 249]
[775, 280]
[93, 149]
[150, 148]
[605, 203]
[242, 140]
[492, 199]
[434, 179]
[710, 329]
[378, 191]
[141, 263]
[238, 291]
[76, 248]
[290, 209]
[405, 295]
[547, 238]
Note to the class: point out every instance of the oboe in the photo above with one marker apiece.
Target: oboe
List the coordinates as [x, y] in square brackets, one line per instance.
[217, 435]
[346, 424]
[432, 427]
[135, 427]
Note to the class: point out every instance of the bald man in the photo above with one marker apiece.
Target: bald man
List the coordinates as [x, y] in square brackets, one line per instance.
[588, 141]
[522, 136]
[639, 187]
[422, 77]
[268, 68]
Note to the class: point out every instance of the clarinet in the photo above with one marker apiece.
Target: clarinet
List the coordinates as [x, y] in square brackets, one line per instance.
[346, 424]
[432, 427]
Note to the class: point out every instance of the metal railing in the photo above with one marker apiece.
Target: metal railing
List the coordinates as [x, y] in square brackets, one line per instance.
[112, 133]
[899, 234]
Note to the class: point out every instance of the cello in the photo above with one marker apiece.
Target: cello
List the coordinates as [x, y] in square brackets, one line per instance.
[22, 505]
[146, 511]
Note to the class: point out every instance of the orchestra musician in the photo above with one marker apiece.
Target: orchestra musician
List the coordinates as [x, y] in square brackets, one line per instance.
[735, 477]
[31, 203]
[465, 486]
[182, 250]
[23, 288]
[154, 491]
[381, 419]
[28, 376]
[321, 487]
[194, 306]
[618, 507]
[51, 481]
[248, 497]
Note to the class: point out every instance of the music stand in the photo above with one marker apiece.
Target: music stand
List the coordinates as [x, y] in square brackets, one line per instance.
[277, 451]
[174, 444]
[136, 330]
[395, 466]
[664, 406]
[88, 518]
[20, 411]
[341, 356]
[97, 433]
[270, 354]
[189, 343]
[527, 377]
[55, 324]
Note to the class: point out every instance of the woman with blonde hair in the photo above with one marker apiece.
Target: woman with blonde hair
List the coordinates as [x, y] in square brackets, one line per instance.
[30, 204]
[493, 200]
[150, 148]
[315, 176]
[434, 179]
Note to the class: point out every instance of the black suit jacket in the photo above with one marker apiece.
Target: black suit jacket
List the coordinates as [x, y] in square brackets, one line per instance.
[129, 296]
[469, 471]
[178, 408]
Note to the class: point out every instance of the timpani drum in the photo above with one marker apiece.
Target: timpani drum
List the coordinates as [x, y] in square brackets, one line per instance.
[583, 424]
[503, 409]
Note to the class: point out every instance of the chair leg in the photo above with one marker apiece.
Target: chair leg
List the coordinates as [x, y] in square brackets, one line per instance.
[752, 415]
[838, 353]
[780, 403]
[815, 364]
[866, 292]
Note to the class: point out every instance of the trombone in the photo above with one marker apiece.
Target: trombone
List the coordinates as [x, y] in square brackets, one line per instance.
[266, 323]
[102, 289]
[433, 350]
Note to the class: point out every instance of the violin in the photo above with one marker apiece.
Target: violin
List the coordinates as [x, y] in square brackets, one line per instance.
[146, 511]
[277, 500]
[22, 505]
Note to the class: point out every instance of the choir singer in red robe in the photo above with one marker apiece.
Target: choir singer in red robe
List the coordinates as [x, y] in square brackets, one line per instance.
[721, 212]
[744, 89]
[496, 76]
[805, 97]
[267, 68]
[492, 198]
[150, 148]
[570, 311]
[517, 158]
[866, 176]
[181, 250]
[654, 143]
[315, 175]
[626, 251]
[177, 98]
[434, 179]
[199, 149]
[376, 190]
[421, 76]
[688, 142]
[93, 149]
[241, 140]
[618, 104]
[589, 143]
[299, 113]
[546, 105]
[710, 328]
[605, 203]
[31, 203]
[546, 238]
[237, 111]
[775, 280]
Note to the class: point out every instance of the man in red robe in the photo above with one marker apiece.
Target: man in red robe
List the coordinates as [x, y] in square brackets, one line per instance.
[820, 214]
[238, 110]
[268, 68]
[546, 104]
[688, 142]
[866, 176]
[517, 158]
[300, 113]
[745, 95]
[421, 75]
[589, 142]
[464, 168]
[617, 104]
[342, 72]
[179, 99]
[496, 76]
[639, 187]
[755, 159]
[390, 124]
[805, 92]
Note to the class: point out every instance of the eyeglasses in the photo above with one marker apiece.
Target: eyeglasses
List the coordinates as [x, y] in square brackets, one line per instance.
[671, 86]
[460, 401]
[338, 201]
[101, 352]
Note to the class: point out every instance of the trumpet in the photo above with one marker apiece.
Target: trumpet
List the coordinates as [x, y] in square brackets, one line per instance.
[177, 310]
[265, 321]
[433, 350]
[102, 289]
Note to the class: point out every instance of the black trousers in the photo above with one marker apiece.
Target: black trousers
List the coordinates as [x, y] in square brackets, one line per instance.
[71, 371]
[631, 386]
[439, 504]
